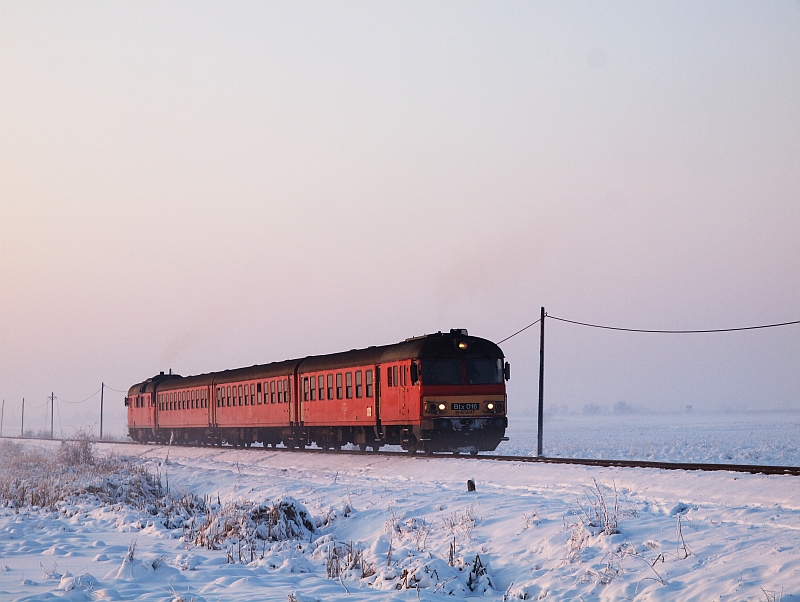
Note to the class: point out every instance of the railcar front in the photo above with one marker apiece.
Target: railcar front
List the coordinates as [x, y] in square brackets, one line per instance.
[458, 389]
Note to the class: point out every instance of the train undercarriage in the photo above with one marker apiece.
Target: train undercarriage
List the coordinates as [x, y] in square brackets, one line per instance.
[456, 435]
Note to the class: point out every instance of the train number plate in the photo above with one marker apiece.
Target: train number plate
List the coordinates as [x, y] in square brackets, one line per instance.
[468, 407]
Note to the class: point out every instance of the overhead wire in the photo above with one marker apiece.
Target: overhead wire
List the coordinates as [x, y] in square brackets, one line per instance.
[646, 330]
[113, 389]
[700, 331]
[522, 330]
[81, 401]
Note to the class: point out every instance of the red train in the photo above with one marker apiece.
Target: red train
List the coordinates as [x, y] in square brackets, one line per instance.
[439, 392]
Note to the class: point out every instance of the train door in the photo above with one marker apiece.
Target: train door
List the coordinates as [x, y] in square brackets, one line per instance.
[303, 394]
[294, 400]
[211, 408]
[397, 375]
[391, 406]
[378, 410]
[151, 409]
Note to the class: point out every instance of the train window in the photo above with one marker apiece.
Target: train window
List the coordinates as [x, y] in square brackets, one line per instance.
[305, 388]
[228, 395]
[280, 391]
[287, 388]
[246, 396]
[313, 390]
[396, 382]
[219, 397]
[359, 386]
[368, 378]
[272, 391]
[339, 386]
[405, 376]
[388, 376]
[442, 372]
[240, 394]
[321, 386]
[484, 372]
[330, 386]
[349, 385]
[262, 393]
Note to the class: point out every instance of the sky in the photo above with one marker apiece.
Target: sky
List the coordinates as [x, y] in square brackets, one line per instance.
[199, 186]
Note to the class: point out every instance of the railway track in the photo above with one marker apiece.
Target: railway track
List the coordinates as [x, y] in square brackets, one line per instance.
[690, 466]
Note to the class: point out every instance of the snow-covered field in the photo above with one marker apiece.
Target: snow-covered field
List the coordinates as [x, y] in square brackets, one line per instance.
[718, 437]
[407, 528]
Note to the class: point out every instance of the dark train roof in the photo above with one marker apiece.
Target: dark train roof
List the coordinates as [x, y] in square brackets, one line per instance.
[432, 346]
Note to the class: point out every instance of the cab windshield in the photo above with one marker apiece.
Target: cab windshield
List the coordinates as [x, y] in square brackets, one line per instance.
[459, 372]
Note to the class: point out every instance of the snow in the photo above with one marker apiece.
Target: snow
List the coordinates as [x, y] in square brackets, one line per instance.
[402, 528]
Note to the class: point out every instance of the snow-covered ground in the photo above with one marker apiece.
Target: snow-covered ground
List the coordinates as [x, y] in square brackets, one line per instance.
[718, 437]
[528, 531]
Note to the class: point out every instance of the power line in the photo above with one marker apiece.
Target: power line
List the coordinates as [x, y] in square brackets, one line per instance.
[113, 389]
[81, 401]
[702, 331]
[676, 331]
[519, 331]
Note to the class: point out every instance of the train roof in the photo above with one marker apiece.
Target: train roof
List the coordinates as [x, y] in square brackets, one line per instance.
[441, 345]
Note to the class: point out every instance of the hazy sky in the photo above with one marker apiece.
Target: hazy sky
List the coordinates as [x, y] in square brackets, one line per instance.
[206, 185]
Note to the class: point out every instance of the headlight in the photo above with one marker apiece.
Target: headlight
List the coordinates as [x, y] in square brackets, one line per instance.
[490, 406]
[441, 407]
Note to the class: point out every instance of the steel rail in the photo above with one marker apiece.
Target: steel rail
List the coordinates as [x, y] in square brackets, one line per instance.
[688, 466]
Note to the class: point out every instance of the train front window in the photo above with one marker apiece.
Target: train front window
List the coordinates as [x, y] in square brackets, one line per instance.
[484, 372]
[442, 372]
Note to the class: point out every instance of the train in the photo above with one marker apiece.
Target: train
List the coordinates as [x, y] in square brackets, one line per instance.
[441, 392]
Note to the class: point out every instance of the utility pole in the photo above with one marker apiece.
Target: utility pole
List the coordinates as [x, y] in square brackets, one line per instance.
[102, 390]
[22, 430]
[541, 385]
[52, 404]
